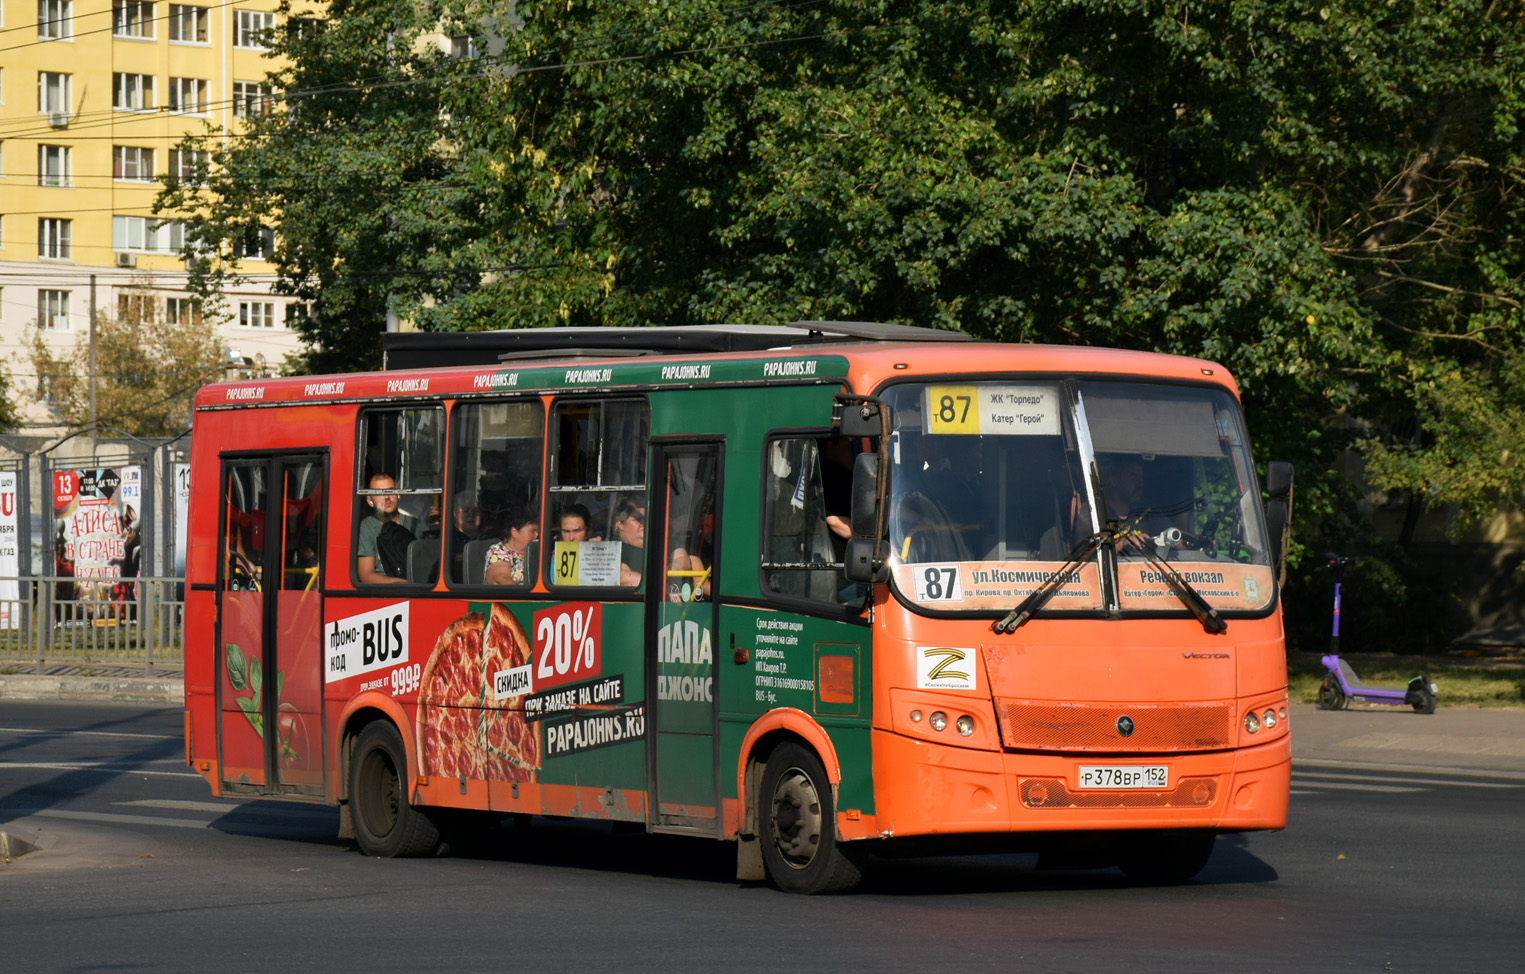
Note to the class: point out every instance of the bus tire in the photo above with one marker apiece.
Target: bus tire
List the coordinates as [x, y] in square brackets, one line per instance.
[798, 826]
[1164, 858]
[386, 826]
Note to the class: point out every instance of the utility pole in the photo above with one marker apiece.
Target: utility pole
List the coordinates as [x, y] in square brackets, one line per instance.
[92, 358]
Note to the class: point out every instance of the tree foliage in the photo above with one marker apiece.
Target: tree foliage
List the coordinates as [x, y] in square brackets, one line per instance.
[1325, 199]
[148, 369]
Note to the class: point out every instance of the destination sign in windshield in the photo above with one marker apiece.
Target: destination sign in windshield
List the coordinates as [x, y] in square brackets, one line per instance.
[989, 409]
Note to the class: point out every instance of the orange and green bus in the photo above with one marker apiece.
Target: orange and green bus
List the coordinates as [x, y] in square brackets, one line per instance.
[826, 591]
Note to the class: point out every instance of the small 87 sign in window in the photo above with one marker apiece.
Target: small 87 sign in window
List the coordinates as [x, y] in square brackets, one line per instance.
[938, 583]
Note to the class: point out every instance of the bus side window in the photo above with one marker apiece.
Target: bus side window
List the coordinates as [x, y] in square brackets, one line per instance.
[399, 488]
[598, 477]
[245, 497]
[494, 480]
[807, 496]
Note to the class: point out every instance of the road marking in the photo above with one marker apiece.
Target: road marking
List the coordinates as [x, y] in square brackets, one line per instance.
[1349, 786]
[93, 768]
[1305, 776]
[37, 731]
[186, 806]
[113, 818]
[1305, 763]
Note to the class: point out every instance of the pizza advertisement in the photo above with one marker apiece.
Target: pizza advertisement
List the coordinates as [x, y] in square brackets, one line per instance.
[504, 692]
[471, 722]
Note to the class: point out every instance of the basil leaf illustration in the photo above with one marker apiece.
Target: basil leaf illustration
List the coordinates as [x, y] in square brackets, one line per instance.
[238, 667]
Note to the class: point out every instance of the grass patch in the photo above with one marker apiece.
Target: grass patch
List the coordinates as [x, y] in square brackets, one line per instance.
[1493, 685]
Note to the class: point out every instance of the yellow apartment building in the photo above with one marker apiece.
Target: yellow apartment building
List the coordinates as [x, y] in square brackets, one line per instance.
[95, 96]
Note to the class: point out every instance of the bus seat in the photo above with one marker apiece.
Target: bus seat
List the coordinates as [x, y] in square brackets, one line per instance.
[474, 560]
[423, 560]
[531, 562]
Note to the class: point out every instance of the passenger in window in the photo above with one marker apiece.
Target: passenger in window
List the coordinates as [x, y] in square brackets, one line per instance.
[630, 532]
[837, 490]
[381, 554]
[505, 560]
[572, 525]
[466, 525]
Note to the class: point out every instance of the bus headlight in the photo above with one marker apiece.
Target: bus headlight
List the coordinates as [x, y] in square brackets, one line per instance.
[1251, 722]
[965, 725]
[938, 720]
[1268, 719]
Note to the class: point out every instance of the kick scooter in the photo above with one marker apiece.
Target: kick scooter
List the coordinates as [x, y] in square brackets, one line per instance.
[1341, 684]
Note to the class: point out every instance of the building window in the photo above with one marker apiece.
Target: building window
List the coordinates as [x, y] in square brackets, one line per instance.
[53, 310]
[256, 314]
[255, 242]
[182, 311]
[251, 28]
[296, 315]
[53, 238]
[146, 234]
[132, 162]
[187, 163]
[188, 95]
[250, 98]
[463, 46]
[53, 90]
[53, 19]
[132, 92]
[187, 24]
[132, 18]
[135, 306]
[53, 165]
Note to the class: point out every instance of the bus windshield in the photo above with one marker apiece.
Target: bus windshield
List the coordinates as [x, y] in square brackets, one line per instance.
[995, 483]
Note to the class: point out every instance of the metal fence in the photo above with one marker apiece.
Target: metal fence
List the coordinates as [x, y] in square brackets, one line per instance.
[57, 620]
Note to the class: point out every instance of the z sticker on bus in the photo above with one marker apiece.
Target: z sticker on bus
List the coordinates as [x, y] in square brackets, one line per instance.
[938, 583]
[944, 668]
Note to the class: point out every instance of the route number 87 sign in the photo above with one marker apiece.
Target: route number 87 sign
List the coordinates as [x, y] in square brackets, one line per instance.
[938, 583]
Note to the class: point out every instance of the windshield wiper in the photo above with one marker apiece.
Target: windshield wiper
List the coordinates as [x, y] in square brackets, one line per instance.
[1126, 532]
[1180, 587]
[1017, 618]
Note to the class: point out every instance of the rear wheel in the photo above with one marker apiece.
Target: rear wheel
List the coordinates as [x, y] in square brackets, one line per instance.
[1330, 695]
[1163, 858]
[799, 836]
[385, 824]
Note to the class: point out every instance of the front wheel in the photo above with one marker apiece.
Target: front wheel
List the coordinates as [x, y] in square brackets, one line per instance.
[799, 835]
[1330, 695]
[385, 824]
[1164, 858]
[1421, 697]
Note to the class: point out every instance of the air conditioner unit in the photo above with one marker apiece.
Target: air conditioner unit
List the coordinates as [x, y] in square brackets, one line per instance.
[127, 260]
[59, 120]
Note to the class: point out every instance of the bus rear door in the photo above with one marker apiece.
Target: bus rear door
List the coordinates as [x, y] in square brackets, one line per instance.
[269, 682]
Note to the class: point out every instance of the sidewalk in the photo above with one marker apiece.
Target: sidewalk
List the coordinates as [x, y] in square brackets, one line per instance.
[97, 684]
[1452, 737]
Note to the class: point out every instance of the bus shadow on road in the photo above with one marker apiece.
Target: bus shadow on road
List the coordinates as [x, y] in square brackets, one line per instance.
[1231, 864]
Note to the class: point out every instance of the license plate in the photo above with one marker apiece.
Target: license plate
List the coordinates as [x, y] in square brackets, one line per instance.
[1124, 776]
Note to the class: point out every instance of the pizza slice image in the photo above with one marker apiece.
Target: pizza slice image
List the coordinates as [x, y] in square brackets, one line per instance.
[463, 730]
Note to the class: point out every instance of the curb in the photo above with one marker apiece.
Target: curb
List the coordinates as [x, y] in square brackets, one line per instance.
[93, 689]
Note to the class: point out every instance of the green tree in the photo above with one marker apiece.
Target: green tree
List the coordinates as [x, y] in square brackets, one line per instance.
[148, 369]
[1325, 199]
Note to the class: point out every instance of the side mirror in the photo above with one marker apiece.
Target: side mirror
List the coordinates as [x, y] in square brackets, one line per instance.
[1279, 514]
[864, 417]
[864, 557]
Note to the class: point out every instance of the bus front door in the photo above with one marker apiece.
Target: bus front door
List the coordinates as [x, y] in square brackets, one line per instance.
[681, 596]
[270, 621]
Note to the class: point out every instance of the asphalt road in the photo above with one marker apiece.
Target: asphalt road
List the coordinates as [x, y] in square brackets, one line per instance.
[1379, 870]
